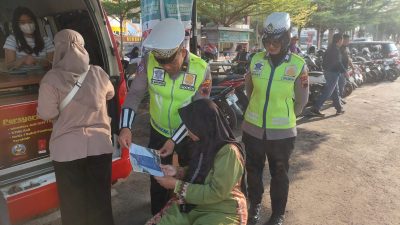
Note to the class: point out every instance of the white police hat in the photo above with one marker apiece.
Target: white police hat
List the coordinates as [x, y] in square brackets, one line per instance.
[277, 23]
[165, 38]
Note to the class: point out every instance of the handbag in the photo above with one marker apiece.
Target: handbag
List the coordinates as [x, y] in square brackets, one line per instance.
[73, 91]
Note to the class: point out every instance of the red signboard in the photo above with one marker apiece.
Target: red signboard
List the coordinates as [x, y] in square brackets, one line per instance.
[23, 136]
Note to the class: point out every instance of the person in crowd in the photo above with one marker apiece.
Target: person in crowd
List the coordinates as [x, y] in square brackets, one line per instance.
[312, 50]
[174, 77]
[333, 68]
[134, 53]
[277, 83]
[241, 58]
[346, 61]
[211, 189]
[210, 52]
[26, 47]
[293, 45]
[4, 217]
[80, 143]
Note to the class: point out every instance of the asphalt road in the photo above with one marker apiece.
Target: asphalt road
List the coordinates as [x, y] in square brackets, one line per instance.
[344, 170]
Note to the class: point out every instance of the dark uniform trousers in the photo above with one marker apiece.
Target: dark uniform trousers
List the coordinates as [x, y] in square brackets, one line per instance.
[84, 189]
[278, 153]
[159, 195]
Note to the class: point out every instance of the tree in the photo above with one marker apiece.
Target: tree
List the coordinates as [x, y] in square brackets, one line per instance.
[227, 12]
[346, 15]
[300, 12]
[122, 10]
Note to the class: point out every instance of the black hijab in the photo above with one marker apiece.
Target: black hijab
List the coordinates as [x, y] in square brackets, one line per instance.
[204, 119]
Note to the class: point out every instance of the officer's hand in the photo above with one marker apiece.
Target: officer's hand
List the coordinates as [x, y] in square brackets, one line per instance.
[125, 137]
[167, 149]
[168, 170]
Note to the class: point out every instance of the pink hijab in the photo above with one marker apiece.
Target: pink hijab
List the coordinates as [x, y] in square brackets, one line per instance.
[70, 56]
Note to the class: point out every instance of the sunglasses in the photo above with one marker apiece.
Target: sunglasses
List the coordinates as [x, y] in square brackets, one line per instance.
[166, 60]
[273, 42]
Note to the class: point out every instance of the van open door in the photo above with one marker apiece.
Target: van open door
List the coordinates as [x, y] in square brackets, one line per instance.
[26, 174]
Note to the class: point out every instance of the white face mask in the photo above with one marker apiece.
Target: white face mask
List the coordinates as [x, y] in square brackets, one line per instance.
[27, 28]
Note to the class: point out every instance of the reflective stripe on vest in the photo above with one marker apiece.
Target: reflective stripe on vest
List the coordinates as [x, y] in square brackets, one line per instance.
[272, 100]
[167, 95]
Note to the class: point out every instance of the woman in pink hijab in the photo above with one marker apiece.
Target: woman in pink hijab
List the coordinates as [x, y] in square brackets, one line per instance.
[80, 144]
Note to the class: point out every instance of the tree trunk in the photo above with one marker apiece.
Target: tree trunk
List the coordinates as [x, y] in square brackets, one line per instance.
[299, 32]
[257, 37]
[321, 37]
[330, 36]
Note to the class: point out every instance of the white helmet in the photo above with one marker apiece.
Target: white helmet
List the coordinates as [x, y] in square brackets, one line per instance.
[277, 27]
[165, 38]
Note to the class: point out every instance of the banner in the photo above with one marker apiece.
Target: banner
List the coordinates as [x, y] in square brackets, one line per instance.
[181, 10]
[153, 11]
[23, 136]
[151, 14]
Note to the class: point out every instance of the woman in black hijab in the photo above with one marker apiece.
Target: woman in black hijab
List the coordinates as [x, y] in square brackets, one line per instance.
[209, 190]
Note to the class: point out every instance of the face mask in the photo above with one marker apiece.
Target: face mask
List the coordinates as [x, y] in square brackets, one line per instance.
[27, 28]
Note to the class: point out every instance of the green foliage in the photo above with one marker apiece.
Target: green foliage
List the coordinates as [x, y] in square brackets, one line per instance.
[227, 12]
[348, 14]
[122, 10]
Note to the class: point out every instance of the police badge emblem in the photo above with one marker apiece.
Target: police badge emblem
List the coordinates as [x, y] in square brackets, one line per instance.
[257, 69]
[188, 81]
[291, 70]
[290, 73]
[158, 77]
[270, 28]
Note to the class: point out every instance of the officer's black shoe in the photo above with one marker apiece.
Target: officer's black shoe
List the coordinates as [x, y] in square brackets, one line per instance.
[275, 220]
[254, 214]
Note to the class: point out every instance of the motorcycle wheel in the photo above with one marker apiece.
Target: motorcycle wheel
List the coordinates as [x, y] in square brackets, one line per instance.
[227, 112]
[374, 75]
[381, 76]
[315, 91]
[348, 89]
[391, 75]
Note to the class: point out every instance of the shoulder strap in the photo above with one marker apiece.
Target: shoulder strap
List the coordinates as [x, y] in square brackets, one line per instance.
[73, 91]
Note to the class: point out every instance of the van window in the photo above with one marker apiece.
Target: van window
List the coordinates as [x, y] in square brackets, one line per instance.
[24, 137]
[80, 22]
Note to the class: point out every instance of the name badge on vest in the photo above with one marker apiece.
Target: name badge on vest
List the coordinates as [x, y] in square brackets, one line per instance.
[257, 69]
[158, 77]
[290, 73]
[188, 82]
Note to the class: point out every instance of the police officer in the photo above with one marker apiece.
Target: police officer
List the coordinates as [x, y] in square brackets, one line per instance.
[277, 83]
[173, 77]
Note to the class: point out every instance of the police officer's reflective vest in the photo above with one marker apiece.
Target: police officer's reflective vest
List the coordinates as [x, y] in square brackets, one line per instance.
[167, 95]
[271, 103]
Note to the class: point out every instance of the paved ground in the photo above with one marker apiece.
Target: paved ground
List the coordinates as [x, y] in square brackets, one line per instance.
[345, 169]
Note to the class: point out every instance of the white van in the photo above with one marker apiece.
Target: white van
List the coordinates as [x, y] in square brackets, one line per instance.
[26, 175]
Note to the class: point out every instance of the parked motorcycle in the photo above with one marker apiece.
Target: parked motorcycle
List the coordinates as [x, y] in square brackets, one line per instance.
[225, 99]
[237, 82]
[316, 82]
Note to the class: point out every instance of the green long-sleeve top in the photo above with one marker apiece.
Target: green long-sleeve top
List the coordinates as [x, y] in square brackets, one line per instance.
[221, 189]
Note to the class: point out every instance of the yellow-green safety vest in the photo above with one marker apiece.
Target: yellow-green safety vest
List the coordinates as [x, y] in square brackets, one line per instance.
[168, 95]
[271, 103]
